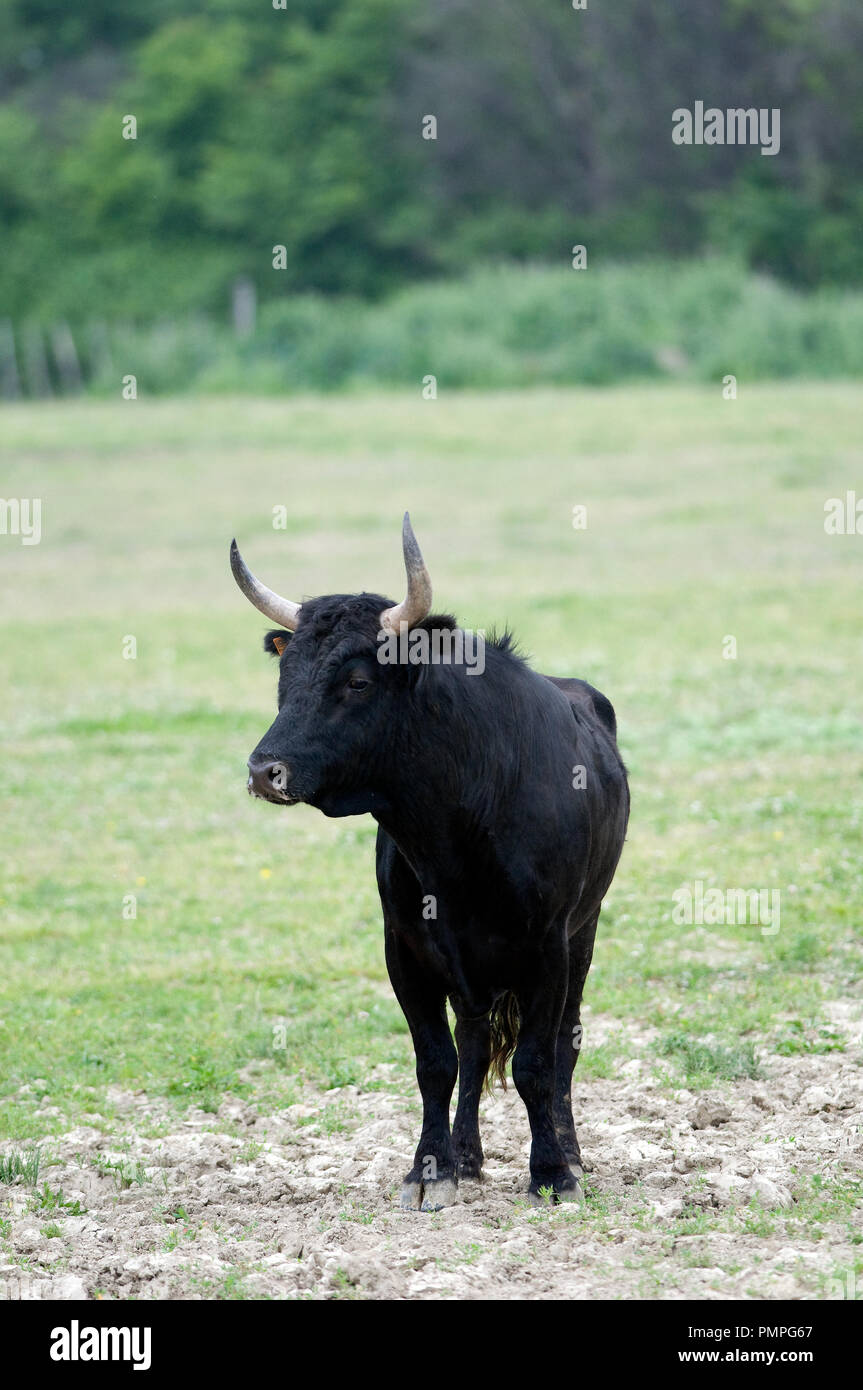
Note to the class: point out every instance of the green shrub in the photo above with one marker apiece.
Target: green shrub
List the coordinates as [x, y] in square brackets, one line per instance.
[502, 327]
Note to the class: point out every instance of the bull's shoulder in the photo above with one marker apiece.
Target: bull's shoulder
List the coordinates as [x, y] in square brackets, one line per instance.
[587, 697]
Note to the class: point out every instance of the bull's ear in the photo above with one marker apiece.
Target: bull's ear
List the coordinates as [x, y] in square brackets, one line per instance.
[275, 642]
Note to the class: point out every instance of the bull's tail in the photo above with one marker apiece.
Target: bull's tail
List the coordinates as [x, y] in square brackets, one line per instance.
[504, 1020]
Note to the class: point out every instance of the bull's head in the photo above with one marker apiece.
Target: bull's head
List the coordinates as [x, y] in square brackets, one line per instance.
[341, 712]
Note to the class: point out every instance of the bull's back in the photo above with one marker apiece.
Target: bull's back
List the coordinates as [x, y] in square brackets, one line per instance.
[586, 697]
[609, 798]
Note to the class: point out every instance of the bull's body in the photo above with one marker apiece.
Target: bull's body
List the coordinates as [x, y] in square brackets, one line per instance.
[502, 805]
[513, 861]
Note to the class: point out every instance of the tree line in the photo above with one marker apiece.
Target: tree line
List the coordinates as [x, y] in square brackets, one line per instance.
[384, 142]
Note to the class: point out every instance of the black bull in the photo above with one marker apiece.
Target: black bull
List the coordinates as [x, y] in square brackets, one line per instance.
[502, 805]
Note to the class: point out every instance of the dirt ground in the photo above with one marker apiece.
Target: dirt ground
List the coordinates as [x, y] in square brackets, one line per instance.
[708, 1195]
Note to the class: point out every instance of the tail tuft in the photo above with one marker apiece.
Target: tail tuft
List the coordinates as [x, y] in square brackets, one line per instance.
[504, 1020]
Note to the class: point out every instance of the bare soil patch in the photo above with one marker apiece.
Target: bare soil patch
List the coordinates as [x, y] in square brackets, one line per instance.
[707, 1195]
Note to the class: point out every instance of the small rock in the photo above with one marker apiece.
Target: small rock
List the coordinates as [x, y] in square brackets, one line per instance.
[768, 1192]
[28, 1238]
[303, 1112]
[643, 1150]
[666, 1211]
[69, 1288]
[238, 1111]
[286, 1271]
[658, 1178]
[709, 1112]
[763, 1101]
[725, 1188]
[816, 1098]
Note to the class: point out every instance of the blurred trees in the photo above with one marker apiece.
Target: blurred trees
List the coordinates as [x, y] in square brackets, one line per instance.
[302, 127]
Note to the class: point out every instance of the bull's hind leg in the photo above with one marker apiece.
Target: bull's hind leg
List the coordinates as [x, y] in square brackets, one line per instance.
[473, 1039]
[541, 1002]
[432, 1181]
[569, 1043]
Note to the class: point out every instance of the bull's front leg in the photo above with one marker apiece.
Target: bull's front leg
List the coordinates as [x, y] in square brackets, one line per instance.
[432, 1181]
[541, 1000]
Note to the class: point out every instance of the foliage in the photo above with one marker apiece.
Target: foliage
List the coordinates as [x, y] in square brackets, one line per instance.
[503, 327]
[301, 127]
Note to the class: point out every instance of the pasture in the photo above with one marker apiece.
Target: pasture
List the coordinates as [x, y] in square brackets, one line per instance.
[199, 1042]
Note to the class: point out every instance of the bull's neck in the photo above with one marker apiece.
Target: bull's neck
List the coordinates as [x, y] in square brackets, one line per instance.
[435, 816]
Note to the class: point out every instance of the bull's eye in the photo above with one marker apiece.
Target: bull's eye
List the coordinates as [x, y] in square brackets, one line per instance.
[358, 683]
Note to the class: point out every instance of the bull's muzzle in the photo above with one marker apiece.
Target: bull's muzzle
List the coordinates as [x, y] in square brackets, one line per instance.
[271, 781]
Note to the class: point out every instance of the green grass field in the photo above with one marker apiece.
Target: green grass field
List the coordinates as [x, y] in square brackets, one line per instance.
[127, 777]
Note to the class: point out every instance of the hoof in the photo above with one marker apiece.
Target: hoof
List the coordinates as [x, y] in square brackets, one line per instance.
[568, 1189]
[553, 1199]
[430, 1195]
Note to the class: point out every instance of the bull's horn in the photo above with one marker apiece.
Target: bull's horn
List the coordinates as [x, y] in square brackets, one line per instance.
[281, 610]
[417, 603]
